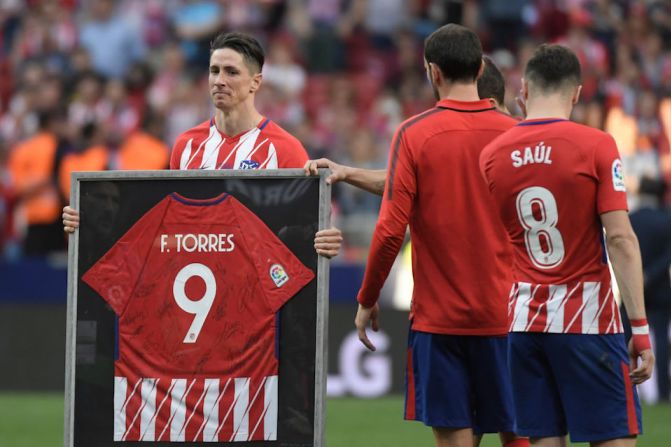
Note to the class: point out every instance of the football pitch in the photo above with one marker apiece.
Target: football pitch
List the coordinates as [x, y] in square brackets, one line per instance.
[36, 420]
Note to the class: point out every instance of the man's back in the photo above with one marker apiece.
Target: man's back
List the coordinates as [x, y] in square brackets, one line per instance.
[460, 253]
[551, 179]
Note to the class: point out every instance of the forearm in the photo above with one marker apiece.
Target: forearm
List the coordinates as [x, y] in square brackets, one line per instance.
[625, 257]
[367, 179]
[383, 251]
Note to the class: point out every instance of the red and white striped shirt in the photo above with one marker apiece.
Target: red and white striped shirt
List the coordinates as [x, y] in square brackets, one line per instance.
[551, 180]
[266, 146]
[195, 409]
[581, 307]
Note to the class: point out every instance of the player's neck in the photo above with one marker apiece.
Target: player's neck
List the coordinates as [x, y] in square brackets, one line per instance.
[236, 121]
[548, 107]
[459, 92]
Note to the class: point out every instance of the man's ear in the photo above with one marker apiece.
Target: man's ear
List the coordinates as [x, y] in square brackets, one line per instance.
[257, 80]
[482, 68]
[576, 95]
[524, 91]
[436, 74]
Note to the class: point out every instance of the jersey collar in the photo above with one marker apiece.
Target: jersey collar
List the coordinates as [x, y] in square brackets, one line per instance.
[199, 202]
[538, 121]
[482, 105]
[261, 125]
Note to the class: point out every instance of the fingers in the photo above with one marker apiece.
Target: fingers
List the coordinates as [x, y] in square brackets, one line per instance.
[375, 324]
[330, 234]
[363, 317]
[312, 166]
[70, 219]
[328, 252]
[644, 370]
[328, 242]
[363, 337]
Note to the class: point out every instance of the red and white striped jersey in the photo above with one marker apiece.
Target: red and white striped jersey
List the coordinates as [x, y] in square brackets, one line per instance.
[195, 409]
[551, 180]
[267, 146]
[196, 286]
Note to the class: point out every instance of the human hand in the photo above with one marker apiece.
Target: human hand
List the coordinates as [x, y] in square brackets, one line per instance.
[640, 371]
[328, 242]
[364, 315]
[70, 219]
[338, 172]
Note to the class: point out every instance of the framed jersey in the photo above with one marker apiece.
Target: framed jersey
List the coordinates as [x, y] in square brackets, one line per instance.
[197, 309]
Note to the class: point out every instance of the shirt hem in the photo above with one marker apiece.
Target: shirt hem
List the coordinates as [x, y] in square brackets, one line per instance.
[501, 331]
[543, 331]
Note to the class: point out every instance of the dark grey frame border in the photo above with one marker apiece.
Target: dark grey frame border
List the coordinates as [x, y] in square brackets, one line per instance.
[321, 343]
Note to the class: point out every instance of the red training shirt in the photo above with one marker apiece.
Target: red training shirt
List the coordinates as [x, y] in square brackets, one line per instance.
[460, 255]
[551, 179]
[266, 146]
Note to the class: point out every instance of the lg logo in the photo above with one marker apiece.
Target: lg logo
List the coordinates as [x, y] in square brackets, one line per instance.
[362, 373]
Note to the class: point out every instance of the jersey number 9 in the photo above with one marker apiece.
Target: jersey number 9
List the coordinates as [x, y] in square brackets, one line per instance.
[201, 307]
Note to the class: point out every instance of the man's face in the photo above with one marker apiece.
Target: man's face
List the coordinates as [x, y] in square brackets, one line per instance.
[231, 82]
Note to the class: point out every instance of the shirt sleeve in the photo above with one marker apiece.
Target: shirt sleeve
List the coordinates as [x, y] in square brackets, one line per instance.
[397, 203]
[280, 273]
[295, 156]
[485, 162]
[115, 275]
[611, 192]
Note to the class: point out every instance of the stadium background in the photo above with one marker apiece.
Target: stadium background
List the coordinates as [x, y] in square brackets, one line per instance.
[119, 80]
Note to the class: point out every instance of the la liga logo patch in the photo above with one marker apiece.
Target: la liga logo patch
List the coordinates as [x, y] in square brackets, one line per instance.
[278, 275]
[618, 176]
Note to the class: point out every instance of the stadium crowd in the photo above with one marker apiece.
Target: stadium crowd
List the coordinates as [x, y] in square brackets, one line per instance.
[103, 84]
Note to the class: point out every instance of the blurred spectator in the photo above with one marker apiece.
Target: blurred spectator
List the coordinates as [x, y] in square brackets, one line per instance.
[7, 199]
[90, 155]
[653, 60]
[359, 208]
[189, 105]
[652, 224]
[118, 116]
[170, 72]
[112, 43]
[281, 70]
[196, 23]
[505, 21]
[86, 105]
[33, 165]
[143, 149]
[592, 54]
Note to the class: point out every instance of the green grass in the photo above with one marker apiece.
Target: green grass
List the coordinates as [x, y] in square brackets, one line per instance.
[379, 422]
[36, 420]
[31, 420]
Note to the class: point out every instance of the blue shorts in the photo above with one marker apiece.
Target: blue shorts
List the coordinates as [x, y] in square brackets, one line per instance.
[573, 383]
[458, 381]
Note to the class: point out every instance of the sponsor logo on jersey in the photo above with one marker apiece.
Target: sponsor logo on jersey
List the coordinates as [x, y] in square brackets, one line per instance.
[249, 164]
[278, 275]
[618, 176]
